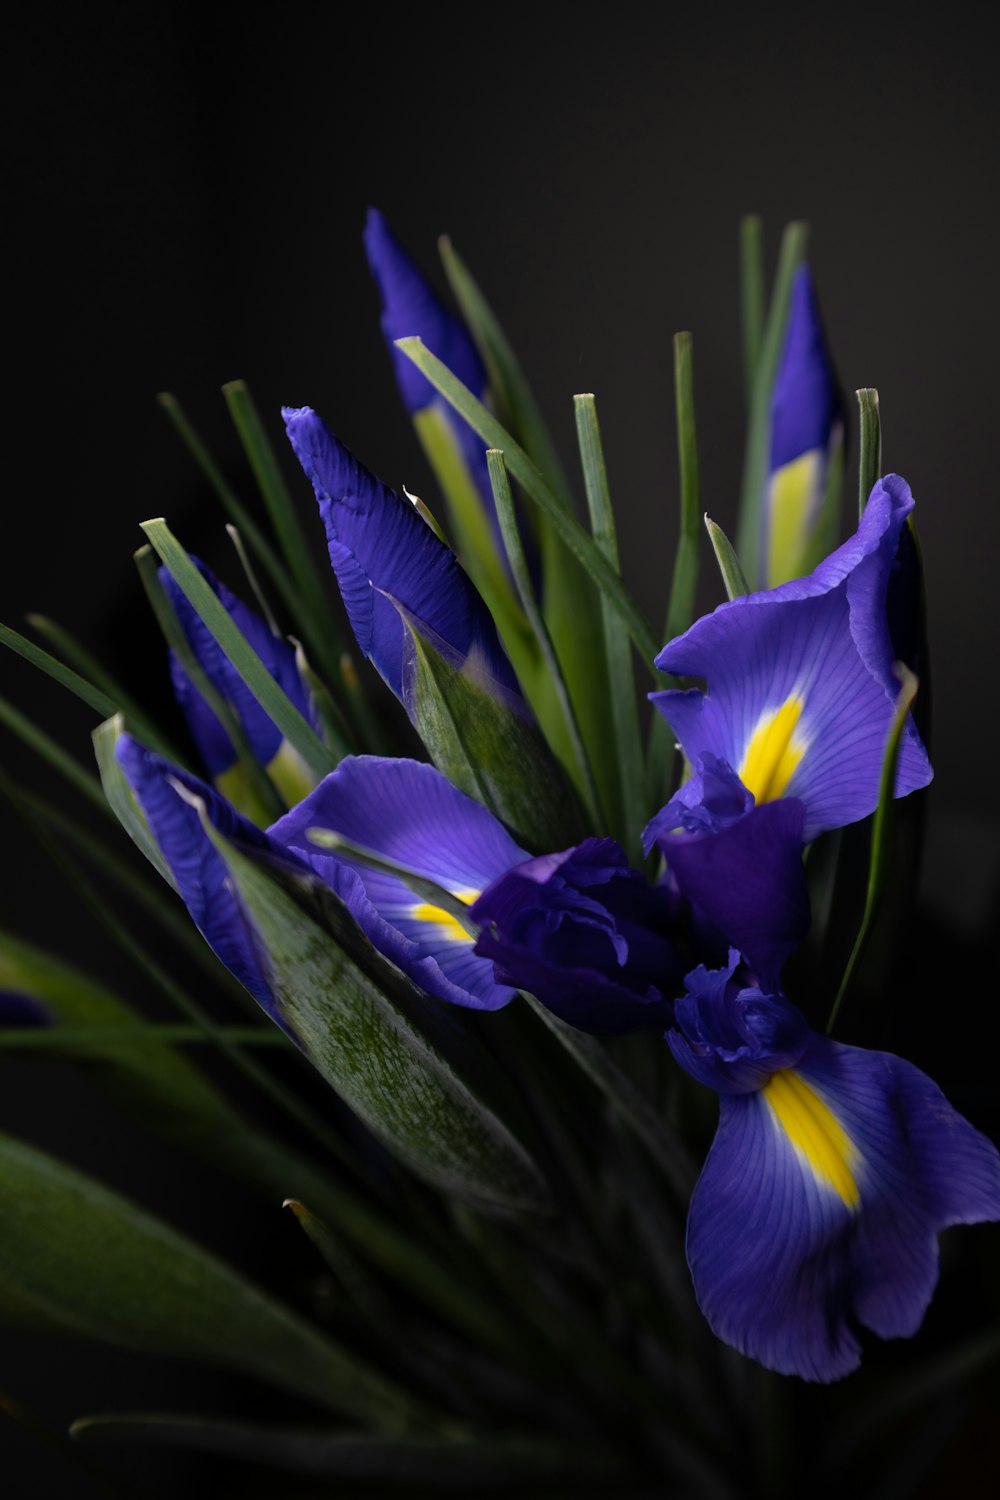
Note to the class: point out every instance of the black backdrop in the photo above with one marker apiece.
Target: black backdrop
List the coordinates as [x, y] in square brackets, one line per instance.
[188, 188]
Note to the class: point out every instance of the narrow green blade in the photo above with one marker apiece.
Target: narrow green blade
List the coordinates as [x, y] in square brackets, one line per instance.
[869, 444]
[733, 575]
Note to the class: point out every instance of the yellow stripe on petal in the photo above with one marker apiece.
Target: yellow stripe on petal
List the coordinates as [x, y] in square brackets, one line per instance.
[436, 916]
[815, 1132]
[791, 508]
[774, 751]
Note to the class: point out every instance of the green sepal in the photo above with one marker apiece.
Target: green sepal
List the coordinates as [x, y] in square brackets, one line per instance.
[487, 746]
[348, 1006]
[78, 1258]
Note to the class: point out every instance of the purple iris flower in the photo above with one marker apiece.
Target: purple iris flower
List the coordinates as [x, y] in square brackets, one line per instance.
[789, 737]
[19, 1009]
[832, 1172]
[410, 306]
[807, 427]
[586, 935]
[287, 770]
[404, 810]
[390, 565]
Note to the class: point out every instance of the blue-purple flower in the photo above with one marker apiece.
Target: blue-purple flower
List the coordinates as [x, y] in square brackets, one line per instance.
[586, 935]
[285, 767]
[392, 568]
[807, 427]
[801, 693]
[832, 1173]
[403, 810]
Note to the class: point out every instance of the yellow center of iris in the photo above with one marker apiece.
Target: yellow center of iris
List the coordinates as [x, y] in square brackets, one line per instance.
[774, 752]
[450, 926]
[815, 1132]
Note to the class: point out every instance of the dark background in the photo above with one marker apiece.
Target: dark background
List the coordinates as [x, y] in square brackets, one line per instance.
[188, 186]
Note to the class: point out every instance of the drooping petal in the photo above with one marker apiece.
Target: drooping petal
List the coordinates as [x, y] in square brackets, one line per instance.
[217, 752]
[820, 1205]
[740, 866]
[408, 812]
[801, 683]
[197, 868]
[586, 935]
[383, 552]
[806, 430]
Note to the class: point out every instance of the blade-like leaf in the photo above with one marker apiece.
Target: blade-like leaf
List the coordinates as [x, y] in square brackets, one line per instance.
[869, 444]
[350, 1026]
[91, 1263]
[622, 707]
[881, 843]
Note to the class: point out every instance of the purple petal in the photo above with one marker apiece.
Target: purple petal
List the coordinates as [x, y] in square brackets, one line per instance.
[821, 642]
[382, 551]
[790, 1243]
[408, 812]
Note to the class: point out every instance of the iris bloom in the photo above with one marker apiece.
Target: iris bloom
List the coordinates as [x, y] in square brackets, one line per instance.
[585, 934]
[807, 428]
[391, 567]
[402, 809]
[286, 768]
[832, 1173]
[801, 693]
[410, 306]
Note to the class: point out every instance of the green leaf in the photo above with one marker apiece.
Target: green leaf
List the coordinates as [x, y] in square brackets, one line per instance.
[880, 857]
[869, 444]
[751, 296]
[523, 470]
[470, 1464]
[622, 706]
[733, 575]
[685, 580]
[507, 517]
[790, 256]
[487, 748]
[240, 653]
[87, 1261]
[84, 690]
[346, 1005]
[284, 519]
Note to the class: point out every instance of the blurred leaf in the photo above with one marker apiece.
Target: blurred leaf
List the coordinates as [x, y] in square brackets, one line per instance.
[487, 748]
[349, 1025]
[752, 295]
[486, 1462]
[91, 1263]
[685, 578]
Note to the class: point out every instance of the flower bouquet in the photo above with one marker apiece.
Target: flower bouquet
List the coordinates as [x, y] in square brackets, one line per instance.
[603, 1183]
